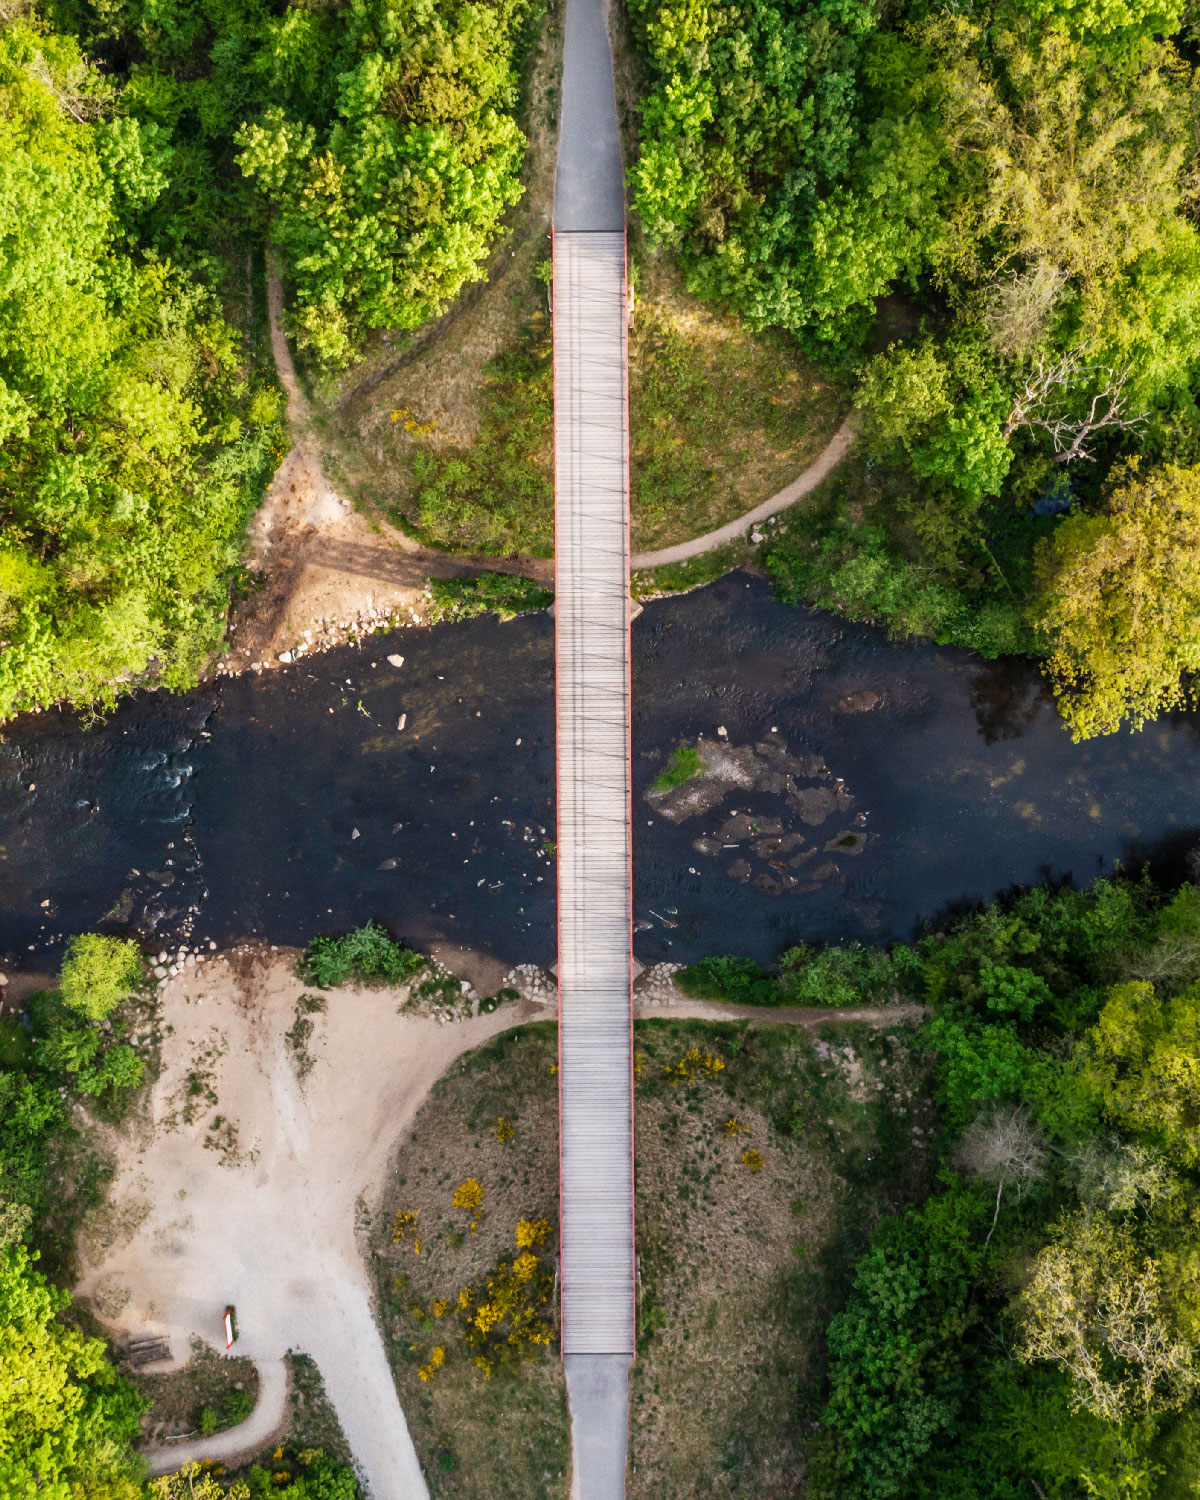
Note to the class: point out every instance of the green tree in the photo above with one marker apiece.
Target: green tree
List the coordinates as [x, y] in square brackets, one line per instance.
[1118, 596]
[66, 1417]
[386, 205]
[1142, 1061]
[98, 972]
[897, 1375]
[1098, 1307]
[132, 441]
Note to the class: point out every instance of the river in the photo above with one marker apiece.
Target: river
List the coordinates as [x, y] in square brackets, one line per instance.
[282, 805]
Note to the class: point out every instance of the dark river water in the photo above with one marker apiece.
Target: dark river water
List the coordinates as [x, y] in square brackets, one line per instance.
[288, 804]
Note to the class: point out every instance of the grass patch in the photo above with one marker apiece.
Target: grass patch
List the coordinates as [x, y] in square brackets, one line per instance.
[503, 594]
[212, 1392]
[368, 953]
[685, 763]
[678, 578]
[482, 1157]
[719, 418]
[758, 1182]
[314, 1422]
[495, 494]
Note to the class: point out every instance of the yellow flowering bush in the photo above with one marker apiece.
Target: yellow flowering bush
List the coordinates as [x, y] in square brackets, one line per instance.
[753, 1160]
[733, 1126]
[437, 1357]
[511, 1319]
[692, 1063]
[504, 1130]
[532, 1233]
[469, 1195]
[404, 1225]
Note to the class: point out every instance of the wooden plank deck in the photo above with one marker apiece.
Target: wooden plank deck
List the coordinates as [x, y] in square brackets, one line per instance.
[594, 836]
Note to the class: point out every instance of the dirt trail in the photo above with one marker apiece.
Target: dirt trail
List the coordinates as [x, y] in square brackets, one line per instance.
[682, 1009]
[823, 465]
[328, 571]
[246, 1185]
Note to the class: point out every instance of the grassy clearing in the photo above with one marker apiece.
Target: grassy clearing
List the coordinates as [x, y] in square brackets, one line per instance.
[492, 1120]
[764, 1158]
[758, 1183]
[213, 1391]
[719, 419]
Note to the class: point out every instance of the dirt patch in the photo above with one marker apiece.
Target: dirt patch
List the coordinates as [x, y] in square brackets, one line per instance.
[762, 1164]
[257, 1180]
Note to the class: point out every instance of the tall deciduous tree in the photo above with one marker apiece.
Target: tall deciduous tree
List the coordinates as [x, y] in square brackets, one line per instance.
[66, 1417]
[1118, 596]
[1096, 1306]
[386, 208]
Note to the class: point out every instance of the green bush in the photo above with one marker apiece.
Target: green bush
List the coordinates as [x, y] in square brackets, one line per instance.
[366, 953]
[99, 972]
[685, 763]
[503, 594]
[739, 980]
[845, 975]
[861, 574]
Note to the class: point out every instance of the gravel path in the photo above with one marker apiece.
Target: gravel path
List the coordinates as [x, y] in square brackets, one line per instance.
[265, 1423]
[250, 1191]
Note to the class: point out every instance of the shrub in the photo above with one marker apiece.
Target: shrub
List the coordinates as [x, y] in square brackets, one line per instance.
[848, 975]
[98, 973]
[683, 765]
[364, 954]
[739, 980]
[503, 594]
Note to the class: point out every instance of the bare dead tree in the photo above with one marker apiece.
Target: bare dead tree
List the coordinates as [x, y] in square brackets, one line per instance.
[1019, 305]
[1071, 433]
[1005, 1147]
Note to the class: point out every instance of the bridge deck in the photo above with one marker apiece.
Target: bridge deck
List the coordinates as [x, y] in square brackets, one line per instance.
[594, 868]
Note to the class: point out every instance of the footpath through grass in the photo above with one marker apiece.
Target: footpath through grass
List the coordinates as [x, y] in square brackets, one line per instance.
[764, 1157]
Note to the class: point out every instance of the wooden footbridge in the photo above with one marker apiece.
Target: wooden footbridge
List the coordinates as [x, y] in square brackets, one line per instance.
[592, 613]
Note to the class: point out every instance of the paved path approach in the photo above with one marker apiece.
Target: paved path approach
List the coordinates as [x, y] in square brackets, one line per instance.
[591, 481]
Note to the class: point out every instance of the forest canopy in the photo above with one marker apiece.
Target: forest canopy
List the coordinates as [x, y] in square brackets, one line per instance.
[986, 215]
[147, 152]
[134, 440]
